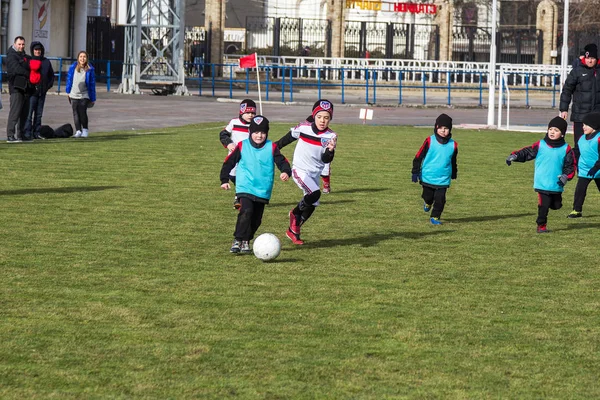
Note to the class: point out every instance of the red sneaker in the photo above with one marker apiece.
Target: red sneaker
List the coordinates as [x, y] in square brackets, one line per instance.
[542, 229]
[294, 237]
[294, 227]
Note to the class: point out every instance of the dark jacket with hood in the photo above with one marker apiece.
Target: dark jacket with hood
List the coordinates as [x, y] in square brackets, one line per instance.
[46, 71]
[17, 65]
[583, 87]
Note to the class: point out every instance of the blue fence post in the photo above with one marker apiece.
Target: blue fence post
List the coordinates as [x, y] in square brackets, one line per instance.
[108, 77]
[212, 66]
[200, 79]
[342, 71]
[400, 87]
[449, 87]
[319, 81]
[553, 91]
[231, 81]
[247, 78]
[374, 86]
[292, 86]
[267, 81]
[424, 88]
[366, 86]
[480, 89]
[60, 68]
[283, 83]
[527, 90]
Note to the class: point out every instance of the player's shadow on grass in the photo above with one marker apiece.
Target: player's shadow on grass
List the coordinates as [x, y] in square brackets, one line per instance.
[72, 189]
[293, 204]
[104, 138]
[371, 240]
[579, 225]
[483, 218]
[359, 190]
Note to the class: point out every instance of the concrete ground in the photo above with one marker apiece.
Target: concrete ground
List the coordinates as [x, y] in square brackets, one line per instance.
[114, 111]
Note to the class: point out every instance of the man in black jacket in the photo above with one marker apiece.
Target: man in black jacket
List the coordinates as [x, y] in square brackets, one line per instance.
[17, 69]
[583, 87]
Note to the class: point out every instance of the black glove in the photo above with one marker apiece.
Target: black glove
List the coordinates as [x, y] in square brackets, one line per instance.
[415, 178]
[593, 171]
[510, 159]
[562, 180]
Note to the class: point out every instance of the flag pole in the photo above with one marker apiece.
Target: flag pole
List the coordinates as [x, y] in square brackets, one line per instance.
[258, 82]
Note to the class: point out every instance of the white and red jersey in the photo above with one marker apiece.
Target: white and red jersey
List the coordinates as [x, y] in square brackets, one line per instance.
[238, 130]
[310, 148]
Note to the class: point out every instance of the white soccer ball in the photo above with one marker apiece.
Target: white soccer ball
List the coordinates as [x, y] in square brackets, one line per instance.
[266, 247]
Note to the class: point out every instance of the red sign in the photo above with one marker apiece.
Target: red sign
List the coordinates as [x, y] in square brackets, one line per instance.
[379, 5]
[415, 8]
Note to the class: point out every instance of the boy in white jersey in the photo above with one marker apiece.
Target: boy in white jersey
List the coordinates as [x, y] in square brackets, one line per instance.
[315, 148]
[236, 131]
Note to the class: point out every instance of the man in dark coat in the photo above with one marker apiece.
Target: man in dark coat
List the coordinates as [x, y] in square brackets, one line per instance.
[40, 86]
[17, 70]
[583, 87]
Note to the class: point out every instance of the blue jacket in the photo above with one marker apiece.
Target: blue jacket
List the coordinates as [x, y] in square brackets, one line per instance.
[90, 80]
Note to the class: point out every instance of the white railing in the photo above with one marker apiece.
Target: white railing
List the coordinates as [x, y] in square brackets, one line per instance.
[412, 70]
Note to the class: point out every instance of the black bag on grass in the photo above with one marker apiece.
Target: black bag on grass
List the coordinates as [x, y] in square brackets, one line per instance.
[63, 131]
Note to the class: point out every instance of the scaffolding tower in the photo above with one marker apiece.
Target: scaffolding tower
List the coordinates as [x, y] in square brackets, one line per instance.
[154, 46]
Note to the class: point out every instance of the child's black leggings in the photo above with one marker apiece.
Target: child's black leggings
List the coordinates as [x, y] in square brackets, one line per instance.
[80, 117]
[249, 219]
[546, 202]
[581, 191]
[437, 197]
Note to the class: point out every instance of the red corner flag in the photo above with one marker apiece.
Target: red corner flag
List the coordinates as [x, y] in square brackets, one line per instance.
[248, 61]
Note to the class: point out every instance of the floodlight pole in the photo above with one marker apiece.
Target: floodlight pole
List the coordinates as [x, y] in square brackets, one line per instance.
[492, 66]
[565, 46]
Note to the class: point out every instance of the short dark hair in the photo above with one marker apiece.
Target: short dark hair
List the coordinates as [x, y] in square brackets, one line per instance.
[19, 38]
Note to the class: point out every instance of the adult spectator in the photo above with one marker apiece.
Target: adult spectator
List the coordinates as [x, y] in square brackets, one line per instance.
[17, 70]
[41, 78]
[81, 90]
[583, 87]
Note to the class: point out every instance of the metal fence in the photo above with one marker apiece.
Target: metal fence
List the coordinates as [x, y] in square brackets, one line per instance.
[288, 36]
[518, 46]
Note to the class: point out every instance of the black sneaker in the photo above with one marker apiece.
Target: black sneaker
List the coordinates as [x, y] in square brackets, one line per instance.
[12, 139]
[245, 248]
[235, 246]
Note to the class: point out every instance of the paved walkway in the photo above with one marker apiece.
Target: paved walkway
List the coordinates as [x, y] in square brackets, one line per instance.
[125, 112]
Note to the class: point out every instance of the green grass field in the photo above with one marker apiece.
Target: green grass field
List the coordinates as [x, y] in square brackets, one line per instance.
[116, 279]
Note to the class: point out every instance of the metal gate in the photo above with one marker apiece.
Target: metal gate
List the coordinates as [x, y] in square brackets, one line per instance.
[105, 42]
[520, 46]
[391, 40]
[288, 36]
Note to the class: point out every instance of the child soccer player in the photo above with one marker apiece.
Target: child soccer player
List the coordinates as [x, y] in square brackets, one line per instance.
[554, 166]
[588, 163]
[435, 165]
[254, 158]
[315, 148]
[236, 131]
